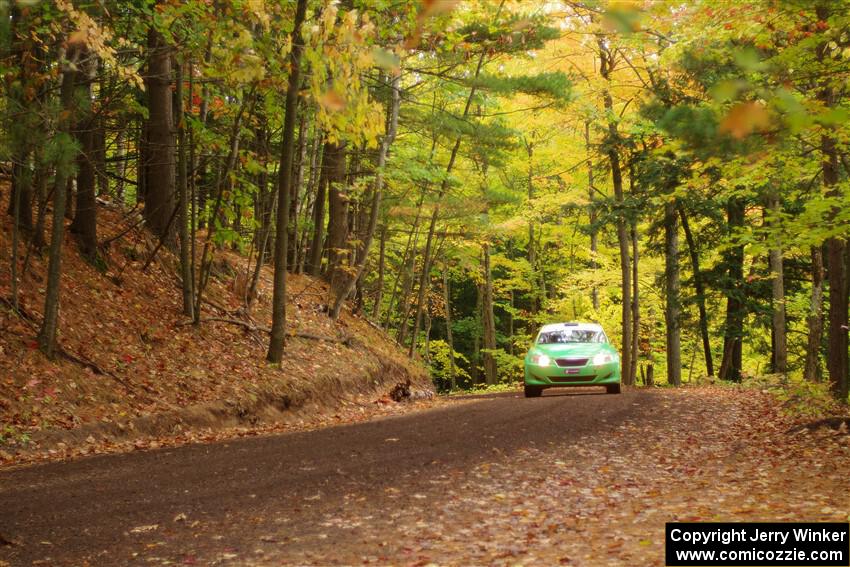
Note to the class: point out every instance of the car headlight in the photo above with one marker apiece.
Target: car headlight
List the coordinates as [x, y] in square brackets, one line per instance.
[541, 360]
[602, 358]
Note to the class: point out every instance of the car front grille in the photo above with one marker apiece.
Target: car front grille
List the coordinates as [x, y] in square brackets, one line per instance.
[566, 362]
[572, 378]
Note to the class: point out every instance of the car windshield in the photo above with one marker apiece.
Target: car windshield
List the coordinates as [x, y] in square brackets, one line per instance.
[568, 336]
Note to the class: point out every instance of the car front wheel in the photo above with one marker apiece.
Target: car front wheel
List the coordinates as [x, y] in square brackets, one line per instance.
[613, 388]
[533, 391]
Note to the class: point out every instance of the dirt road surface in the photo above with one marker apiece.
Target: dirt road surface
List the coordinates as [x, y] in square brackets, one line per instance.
[574, 477]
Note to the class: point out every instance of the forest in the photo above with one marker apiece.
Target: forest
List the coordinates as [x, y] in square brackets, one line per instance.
[457, 172]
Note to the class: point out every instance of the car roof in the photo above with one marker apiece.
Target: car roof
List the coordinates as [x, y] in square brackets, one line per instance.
[571, 325]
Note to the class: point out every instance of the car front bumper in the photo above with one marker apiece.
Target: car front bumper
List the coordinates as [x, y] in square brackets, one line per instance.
[588, 375]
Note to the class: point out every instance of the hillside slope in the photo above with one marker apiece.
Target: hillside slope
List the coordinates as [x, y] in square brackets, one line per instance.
[133, 366]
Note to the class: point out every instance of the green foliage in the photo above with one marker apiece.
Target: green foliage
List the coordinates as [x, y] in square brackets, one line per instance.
[438, 357]
[555, 85]
[509, 366]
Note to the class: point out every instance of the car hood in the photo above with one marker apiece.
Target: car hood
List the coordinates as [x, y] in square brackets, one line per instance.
[570, 349]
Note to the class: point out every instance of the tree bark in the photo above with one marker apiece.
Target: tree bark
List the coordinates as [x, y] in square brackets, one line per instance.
[532, 250]
[277, 342]
[84, 225]
[17, 101]
[814, 320]
[591, 211]
[223, 176]
[50, 323]
[444, 185]
[475, 368]
[672, 311]
[424, 278]
[379, 285]
[404, 275]
[837, 362]
[338, 209]
[699, 288]
[294, 193]
[447, 299]
[780, 349]
[332, 171]
[635, 301]
[606, 66]
[309, 200]
[188, 284]
[377, 191]
[120, 164]
[489, 322]
[730, 366]
[159, 154]
[836, 269]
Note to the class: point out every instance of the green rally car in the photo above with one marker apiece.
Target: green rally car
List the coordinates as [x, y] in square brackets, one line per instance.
[571, 354]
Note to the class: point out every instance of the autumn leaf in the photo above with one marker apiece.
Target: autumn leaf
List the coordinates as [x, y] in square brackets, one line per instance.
[745, 118]
[332, 101]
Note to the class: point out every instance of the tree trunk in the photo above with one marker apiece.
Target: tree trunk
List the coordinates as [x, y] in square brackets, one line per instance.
[100, 155]
[17, 102]
[444, 185]
[699, 288]
[160, 171]
[379, 291]
[594, 233]
[332, 170]
[120, 164]
[780, 349]
[837, 362]
[338, 209]
[84, 224]
[424, 278]
[635, 302]
[475, 368]
[404, 274]
[265, 203]
[489, 322]
[836, 269]
[447, 299]
[672, 311]
[141, 161]
[186, 259]
[730, 366]
[294, 193]
[50, 323]
[309, 200]
[377, 191]
[222, 178]
[814, 320]
[606, 66]
[277, 342]
[532, 250]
